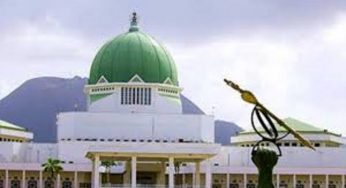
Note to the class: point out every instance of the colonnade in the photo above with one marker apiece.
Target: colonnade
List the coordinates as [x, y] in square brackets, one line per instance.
[170, 171]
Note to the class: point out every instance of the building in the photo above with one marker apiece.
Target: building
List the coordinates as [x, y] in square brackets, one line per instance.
[135, 118]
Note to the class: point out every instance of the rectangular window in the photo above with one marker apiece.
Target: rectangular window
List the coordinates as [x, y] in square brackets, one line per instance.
[137, 96]
[133, 95]
[130, 95]
[145, 96]
[149, 96]
[141, 100]
[122, 96]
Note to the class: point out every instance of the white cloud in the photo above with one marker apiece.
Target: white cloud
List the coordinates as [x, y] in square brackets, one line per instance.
[301, 77]
[42, 49]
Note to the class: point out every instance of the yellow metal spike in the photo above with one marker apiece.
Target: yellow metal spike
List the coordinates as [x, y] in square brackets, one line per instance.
[249, 97]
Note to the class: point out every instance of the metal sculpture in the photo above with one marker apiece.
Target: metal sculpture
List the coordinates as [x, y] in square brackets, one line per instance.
[265, 159]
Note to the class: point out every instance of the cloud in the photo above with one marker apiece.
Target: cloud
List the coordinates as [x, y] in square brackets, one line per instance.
[290, 53]
[45, 49]
[301, 78]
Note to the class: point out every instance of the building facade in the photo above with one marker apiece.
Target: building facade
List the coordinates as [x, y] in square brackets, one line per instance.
[135, 118]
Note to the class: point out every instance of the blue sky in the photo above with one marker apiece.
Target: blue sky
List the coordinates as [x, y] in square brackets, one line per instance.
[290, 53]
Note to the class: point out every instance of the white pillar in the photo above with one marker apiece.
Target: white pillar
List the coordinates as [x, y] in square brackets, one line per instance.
[327, 181]
[197, 183]
[245, 180]
[183, 180]
[171, 172]
[310, 180]
[208, 175]
[23, 178]
[95, 172]
[75, 182]
[277, 180]
[133, 172]
[6, 178]
[294, 180]
[193, 180]
[40, 181]
[58, 181]
[227, 180]
[342, 180]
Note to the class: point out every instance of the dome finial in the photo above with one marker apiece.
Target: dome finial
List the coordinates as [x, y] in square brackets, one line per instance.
[134, 21]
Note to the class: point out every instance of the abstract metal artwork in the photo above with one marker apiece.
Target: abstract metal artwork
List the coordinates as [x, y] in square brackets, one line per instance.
[264, 158]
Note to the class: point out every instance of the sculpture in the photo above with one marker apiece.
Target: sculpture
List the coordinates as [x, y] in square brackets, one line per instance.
[264, 158]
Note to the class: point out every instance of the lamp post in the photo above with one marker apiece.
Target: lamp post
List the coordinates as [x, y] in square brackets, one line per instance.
[265, 158]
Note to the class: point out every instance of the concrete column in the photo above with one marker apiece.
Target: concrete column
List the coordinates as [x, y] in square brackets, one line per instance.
[171, 172]
[197, 183]
[58, 184]
[245, 180]
[193, 180]
[327, 181]
[208, 176]
[6, 179]
[75, 182]
[227, 180]
[183, 181]
[343, 180]
[277, 180]
[23, 178]
[133, 172]
[294, 180]
[40, 180]
[95, 172]
[310, 180]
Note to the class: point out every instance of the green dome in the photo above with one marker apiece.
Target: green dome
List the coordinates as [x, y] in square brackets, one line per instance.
[133, 53]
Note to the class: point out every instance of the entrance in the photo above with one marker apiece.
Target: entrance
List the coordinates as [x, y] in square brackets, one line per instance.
[146, 178]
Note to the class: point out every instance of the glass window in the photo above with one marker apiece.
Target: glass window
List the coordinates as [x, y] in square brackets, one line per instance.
[15, 183]
[122, 95]
[66, 184]
[32, 183]
[49, 184]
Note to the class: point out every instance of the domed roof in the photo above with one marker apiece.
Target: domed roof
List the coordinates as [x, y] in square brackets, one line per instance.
[133, 53]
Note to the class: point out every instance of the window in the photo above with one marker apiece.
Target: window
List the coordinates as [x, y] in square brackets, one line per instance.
[250, 185]
[233, 185]
[15, 183]
[32, 183]
[66, 184]
[317, 144]
[85, 185]
[135, 96]
[49, 183]
[299, 185]
[315, 185]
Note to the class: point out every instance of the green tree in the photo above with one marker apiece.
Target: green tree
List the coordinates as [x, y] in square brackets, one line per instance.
[108, 165]
[52, 166]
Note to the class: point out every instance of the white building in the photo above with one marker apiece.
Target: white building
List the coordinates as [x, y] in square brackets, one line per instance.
[135, 117]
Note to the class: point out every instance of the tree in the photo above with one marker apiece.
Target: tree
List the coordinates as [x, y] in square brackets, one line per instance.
[108, 165]
[52, 166]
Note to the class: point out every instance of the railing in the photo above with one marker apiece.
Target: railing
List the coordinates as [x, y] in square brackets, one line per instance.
[146, 186]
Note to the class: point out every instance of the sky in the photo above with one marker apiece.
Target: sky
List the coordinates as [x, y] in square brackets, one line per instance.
[291, 54]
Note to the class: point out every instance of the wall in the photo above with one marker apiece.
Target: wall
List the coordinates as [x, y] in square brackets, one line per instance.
[86, 125]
